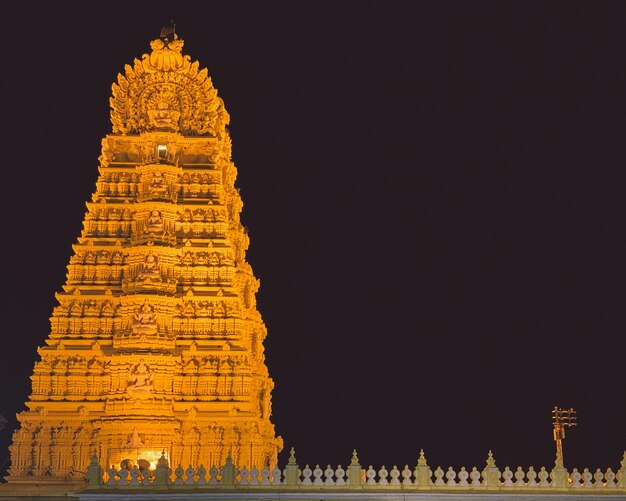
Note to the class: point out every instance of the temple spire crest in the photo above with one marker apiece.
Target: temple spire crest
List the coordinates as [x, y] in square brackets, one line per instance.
[165, 91]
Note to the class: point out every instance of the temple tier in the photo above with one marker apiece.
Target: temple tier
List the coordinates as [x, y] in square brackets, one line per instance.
[156, 344]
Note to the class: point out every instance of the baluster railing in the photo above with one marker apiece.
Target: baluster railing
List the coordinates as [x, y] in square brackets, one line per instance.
[490, 478]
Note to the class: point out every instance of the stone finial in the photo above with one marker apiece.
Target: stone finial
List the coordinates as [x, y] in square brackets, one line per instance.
[292, 456]
[422, 472]
[162, 460]
[229, 472]
[94, 472]
[491, 474]
[354, 471]
[292, 472]
[162, 471]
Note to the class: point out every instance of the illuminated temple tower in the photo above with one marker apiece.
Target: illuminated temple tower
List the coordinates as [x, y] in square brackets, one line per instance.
[156, 343]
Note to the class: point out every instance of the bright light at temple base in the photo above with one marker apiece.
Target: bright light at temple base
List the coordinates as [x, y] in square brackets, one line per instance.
[142, 458]
[151, 456]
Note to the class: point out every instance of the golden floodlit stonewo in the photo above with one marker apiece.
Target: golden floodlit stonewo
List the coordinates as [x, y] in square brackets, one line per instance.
[152, 382]
[156, 345]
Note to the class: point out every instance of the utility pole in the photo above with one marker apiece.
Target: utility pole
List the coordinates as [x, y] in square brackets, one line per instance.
[561, 419]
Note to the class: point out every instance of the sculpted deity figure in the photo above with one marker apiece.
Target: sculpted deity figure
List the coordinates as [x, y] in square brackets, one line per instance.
[149, 267]
[157, 183]
[264, 403]
[162, 112]
[154, 223]
[139, 378]
[144, 320]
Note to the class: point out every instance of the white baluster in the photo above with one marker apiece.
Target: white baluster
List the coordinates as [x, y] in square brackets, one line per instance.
[532, 477]
[463, 476]
[371, 476]
[306, 475]
[145, 476]
[382, 476]
[406, 475]
[254, 476]
[276, 476]
[519, 477]
[179, 475]
[587, 477]
[575, 477]
[543, 477]
[265, 476]
[213, 471]
[328, 474]
[439, 476]
[475, 476]
[340, 474]
[134, 474]
[507, 475]
[112, 476]
[598, 476]
[123, 474]
[317, 475]
[243, 473]
[191, 472]
[450, 476]
[610, 478]
[201, 475]
[395, 475]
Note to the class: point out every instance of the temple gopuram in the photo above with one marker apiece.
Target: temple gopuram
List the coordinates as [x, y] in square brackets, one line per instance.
[156, 345]
[152, 382]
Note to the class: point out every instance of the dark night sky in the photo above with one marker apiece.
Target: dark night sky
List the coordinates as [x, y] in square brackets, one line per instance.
[435, 194]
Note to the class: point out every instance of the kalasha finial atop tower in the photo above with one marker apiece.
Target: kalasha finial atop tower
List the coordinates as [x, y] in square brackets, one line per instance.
[168, 32]
[562, 418]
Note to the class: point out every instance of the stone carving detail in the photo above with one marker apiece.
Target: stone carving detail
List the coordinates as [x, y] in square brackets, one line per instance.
[166, 55]
[165, 91]
[157, 183]
[206, 258]
[139, 379]
[149, 267]
[144, 320]
[162, 109]
[154, 224]
[214, 309]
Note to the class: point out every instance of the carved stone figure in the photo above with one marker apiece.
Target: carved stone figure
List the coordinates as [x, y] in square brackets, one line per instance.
[139, 379]
[149, 267]
[157, 183]
[144, 320]
[162, 110]
[154, 224]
